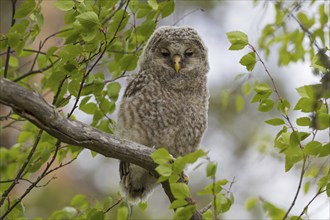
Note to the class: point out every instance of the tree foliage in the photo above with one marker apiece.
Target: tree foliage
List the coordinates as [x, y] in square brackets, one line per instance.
[303, 138]
[100, 42]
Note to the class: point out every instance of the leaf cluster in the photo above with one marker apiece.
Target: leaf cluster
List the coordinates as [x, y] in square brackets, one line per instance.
[99, 43]
[171, 170]
[299, 139]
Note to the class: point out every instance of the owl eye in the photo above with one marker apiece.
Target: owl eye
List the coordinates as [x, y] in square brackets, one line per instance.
[188, 52]
[165, 52]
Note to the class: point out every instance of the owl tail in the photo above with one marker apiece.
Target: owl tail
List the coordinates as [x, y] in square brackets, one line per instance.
[136, 183]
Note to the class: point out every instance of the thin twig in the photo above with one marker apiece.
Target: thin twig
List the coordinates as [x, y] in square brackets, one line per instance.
[267, 71]
[13, 20]
[121, 4]
[303, 169]
[13, 180]
[319, 192]
[35, 71]
[111, 207]
[6, 117]
[189, 13]
[96, 62]
[298, 188]
[35, 183]
[21, 170]
[36, 56]
[205, 208]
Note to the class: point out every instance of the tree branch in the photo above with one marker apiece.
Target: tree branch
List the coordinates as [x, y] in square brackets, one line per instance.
[34, 108]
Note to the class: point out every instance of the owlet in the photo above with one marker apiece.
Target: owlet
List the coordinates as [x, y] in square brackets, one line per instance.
[166, 104]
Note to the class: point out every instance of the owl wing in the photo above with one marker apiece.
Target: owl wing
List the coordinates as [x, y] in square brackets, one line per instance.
[136, 85]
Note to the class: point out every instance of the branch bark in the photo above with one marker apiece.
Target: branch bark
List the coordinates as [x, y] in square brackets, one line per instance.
[34, 108]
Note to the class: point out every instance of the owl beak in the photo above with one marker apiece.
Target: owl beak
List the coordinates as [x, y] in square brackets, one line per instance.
[177, 63]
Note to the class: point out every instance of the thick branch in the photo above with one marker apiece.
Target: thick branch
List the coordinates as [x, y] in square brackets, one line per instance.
[34, 108]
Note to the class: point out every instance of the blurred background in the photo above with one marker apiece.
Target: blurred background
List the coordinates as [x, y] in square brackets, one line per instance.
[240, 142]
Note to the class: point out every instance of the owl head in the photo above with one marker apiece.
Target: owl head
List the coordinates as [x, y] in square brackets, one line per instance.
[176, 55]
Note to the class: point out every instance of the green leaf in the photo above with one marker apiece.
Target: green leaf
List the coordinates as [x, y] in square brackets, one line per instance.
[64, 5]
[164, 170]
[122, 212]
[129, 62]
[143, 205]
[69, 211]
[307, 186]
[307, 105]
[302, 17]
[239, 103]
[222, 203]
[88, 20]
[266, 105]
[73, 87]
[13, 38]
[283, 105]
[178, 203]
[25, 8]
[328, 189]
[208, 215]
[180, 190]
[318, 64]
[153, 4]
[294, 138]
[70, 52]
[190, 158]
[95, 214]
[251, 203]
[89, 108]
[17, 212]
[303, 121]
[213, 188]
[275, 121]
[325, 151]
[262, 88]
[246, 88]
[113, 90]
[79, 201]
[249, 61]
[273, 211]
[105, 105]
[322, 121]
[143, 11]
[313, 148]
[119, 21]
[211, 169]
[293, 155]
[13, 61]
[184, 212]
[24, 136]
[306, 91]
[237, 39]
[146, 29]
[167, 8]
[323, 181]
[161, 156]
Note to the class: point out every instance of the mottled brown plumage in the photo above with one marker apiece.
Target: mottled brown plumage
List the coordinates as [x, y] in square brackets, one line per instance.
[165, 105]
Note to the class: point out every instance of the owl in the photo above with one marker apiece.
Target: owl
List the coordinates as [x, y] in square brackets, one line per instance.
[166, 103]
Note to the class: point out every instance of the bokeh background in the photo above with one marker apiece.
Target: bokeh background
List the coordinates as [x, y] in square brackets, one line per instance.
[240, 142]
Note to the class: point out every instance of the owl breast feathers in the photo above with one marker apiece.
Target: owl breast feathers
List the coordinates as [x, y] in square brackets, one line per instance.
[166, 104]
